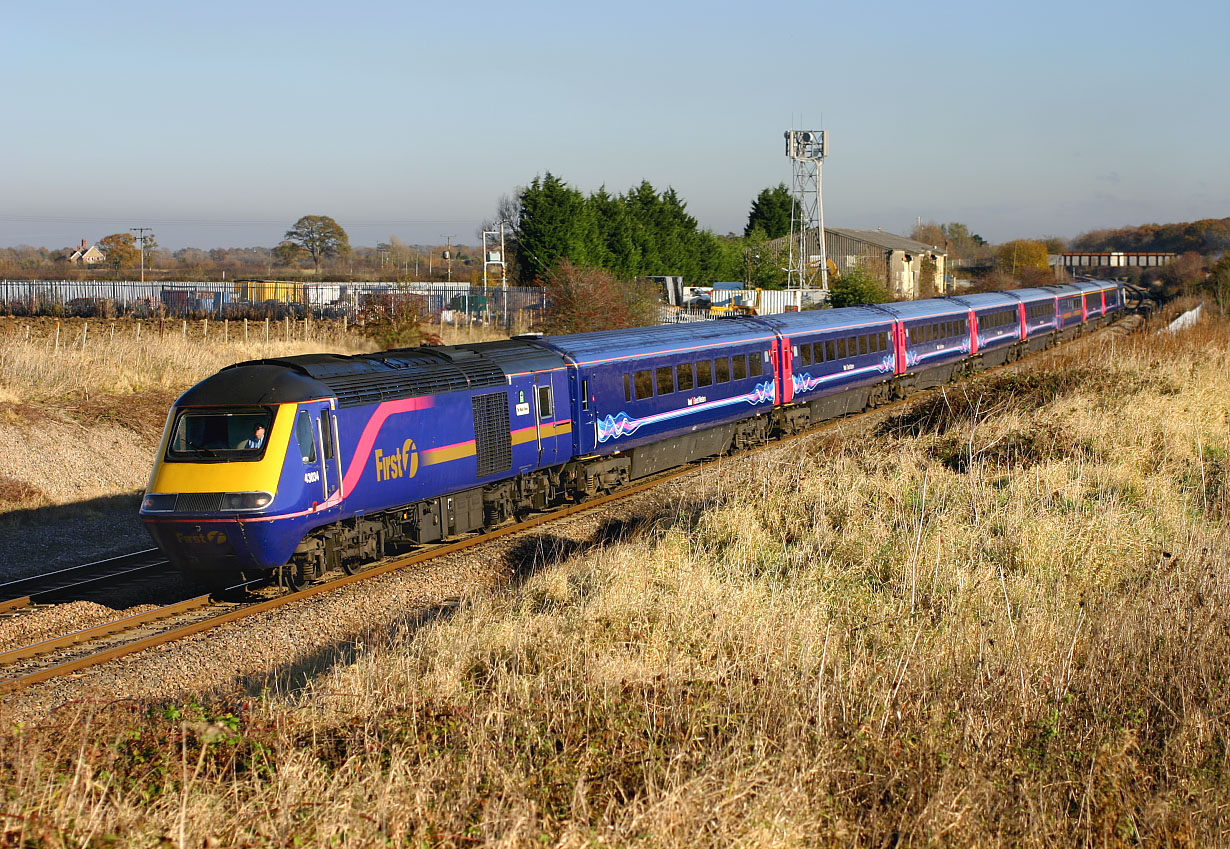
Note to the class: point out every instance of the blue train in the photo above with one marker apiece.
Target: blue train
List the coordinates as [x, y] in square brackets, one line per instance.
[295, 466]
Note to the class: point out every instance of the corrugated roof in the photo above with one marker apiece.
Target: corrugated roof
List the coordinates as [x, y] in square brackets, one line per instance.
[885, 240]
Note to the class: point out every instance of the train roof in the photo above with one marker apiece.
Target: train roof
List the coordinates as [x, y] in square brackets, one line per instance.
[1093, 285]
[1037, 293]
[1063, 289]
[836, 319]
[257, 382]
[988, 300]
[930, 308]
[608, 345]
[372, 378]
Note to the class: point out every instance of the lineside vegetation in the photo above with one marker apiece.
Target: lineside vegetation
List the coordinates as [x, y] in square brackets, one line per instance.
[1001, 619]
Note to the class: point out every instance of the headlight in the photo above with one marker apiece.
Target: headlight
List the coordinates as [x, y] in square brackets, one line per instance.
[156, 503]
[245, 500]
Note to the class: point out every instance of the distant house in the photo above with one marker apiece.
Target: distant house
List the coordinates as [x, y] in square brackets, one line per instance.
[86, 256]
[907, 268]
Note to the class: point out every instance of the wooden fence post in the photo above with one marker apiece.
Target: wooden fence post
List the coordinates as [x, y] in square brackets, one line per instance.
[204, 329]
[245, 331]
[226, 330]
[85, 333]
[57, 350]
[266, 331]
[185, 328]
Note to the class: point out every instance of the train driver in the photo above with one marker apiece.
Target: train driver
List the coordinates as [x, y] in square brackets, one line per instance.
[257, 439]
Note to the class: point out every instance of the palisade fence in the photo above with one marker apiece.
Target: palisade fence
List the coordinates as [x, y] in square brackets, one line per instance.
[447, 303]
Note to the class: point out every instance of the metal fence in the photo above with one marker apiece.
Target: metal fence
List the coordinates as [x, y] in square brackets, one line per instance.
[440, 302]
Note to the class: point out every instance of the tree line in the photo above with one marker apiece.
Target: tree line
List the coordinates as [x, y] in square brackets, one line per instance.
[313, 245]
[638, 233]
[1206, 236]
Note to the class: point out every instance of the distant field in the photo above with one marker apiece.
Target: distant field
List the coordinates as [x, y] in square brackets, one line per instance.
[1000, 620]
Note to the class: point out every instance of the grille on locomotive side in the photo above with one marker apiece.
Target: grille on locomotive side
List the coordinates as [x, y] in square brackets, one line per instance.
[492, 438]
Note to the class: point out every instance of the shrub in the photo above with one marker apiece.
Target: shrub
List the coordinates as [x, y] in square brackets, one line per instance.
[582, 299]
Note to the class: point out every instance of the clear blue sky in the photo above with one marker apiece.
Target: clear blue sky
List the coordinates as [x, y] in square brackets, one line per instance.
[219, 124]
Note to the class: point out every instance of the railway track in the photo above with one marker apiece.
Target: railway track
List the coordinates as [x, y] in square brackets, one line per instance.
[48, 587]
[71, 653]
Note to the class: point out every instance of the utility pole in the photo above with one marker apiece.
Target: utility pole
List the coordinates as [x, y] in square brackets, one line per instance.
[141, 231]
[448, 257]
[493, 258]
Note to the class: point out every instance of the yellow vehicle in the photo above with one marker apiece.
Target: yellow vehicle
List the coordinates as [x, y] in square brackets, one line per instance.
[737, 305]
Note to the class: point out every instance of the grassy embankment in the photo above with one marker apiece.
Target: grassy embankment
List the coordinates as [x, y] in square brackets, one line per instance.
[1000, 621]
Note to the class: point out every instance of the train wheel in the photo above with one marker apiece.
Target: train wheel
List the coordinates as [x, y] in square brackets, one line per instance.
[293, 576]
[352, 567]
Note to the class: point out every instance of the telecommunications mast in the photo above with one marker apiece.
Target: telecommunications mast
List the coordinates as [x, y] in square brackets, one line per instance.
[806, 150]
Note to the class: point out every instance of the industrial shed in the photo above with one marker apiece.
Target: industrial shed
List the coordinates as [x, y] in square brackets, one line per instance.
[908, 269]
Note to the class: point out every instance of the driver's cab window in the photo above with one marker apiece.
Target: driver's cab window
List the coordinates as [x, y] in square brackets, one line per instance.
[303, 435]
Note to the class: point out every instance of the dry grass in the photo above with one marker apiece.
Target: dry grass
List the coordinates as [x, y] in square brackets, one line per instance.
[109, 358]
[914, 638]
[34, 368]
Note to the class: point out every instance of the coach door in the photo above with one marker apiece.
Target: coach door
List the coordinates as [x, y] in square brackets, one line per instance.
[548, 394]
[331, 461]
[316, 435]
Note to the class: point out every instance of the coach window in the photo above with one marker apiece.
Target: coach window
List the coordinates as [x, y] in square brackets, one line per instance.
[545, 409]
[666, 380]
[805, 355]
[644, 385]
[704, 373]
[755, 364]
[740, 367]
[627, 387]
[721, 370]
[683, 373]
[862, 344]
[585, 393]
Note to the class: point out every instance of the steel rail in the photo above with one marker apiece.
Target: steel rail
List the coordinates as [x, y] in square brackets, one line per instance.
[23, 592]
[9, 685]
